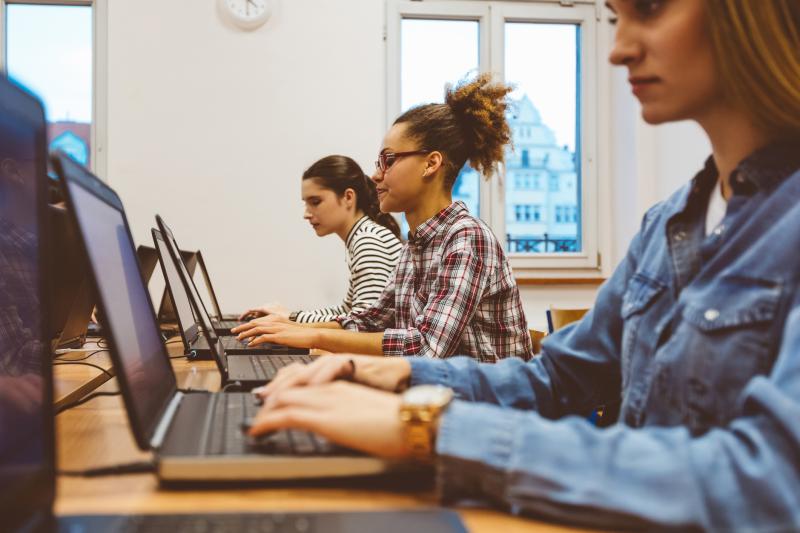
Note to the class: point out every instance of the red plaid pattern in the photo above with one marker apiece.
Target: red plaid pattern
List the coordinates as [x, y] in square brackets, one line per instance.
[453, 293]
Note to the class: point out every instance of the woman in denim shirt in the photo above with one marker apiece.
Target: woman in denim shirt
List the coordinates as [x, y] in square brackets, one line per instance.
[696, 335]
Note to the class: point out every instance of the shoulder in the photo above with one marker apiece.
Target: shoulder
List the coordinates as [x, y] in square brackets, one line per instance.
[470, 234]
[372, 238]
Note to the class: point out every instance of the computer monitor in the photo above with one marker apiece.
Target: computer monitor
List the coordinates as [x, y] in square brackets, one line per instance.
[27, 471]
[138, 353]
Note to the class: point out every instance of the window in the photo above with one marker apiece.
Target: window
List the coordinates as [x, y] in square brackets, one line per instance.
[50, 49]
[549, 53]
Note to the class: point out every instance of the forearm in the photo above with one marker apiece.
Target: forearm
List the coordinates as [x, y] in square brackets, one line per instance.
[322, 325]
[741, 476]
[349, 341]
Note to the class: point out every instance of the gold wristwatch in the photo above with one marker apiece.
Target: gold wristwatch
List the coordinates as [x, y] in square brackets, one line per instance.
[419, 411]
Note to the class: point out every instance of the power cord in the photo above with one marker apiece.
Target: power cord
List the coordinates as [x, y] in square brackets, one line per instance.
[104, 344]
[81, 362]
[85, 399]
[60, 357]
[114, 470]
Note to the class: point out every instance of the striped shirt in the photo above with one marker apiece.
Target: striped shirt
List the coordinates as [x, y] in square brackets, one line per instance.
[372, 253]
[453, 293]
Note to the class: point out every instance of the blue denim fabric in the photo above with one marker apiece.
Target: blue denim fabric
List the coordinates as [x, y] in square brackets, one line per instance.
[697, 336]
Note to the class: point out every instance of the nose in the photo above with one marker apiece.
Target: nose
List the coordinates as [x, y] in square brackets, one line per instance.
[306, 214]
[626, 50]
[377, 176]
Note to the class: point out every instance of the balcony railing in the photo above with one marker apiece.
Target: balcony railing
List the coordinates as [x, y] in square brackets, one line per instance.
[540, 245]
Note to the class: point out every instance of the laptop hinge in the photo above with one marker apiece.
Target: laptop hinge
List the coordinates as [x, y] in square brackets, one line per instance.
[166, 420]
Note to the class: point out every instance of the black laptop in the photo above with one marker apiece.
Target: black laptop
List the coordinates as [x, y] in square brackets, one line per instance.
[184, 292]
[71, 297]
[246, 370]
[27, 439]
[224, 320]
[148, 260]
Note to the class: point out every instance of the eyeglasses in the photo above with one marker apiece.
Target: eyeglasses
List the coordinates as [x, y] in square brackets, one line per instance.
[387, 159]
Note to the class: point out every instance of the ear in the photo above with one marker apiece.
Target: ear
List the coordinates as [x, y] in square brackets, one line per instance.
[349, 197]
[433, 163]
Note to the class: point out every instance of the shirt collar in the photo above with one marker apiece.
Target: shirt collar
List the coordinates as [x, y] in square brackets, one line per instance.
[360, 222]
[444, 218]
[764, 169]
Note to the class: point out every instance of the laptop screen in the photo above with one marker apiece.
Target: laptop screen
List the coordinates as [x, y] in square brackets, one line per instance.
[142, 365]
[188, 283]
[176, 289]
[27, 479]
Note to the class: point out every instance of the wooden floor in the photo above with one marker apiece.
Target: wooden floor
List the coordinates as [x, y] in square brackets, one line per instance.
[97, 434]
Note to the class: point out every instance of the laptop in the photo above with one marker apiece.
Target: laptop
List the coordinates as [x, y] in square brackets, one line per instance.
[27, 439]
[230, 320]
[148, 260]
[71, 297]
[244, 370]
[194, 436]
[184, 291]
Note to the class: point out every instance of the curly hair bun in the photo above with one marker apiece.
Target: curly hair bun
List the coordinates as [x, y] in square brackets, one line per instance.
[479, 107]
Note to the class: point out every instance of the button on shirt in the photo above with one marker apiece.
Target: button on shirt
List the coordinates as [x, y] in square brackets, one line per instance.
[453, 292]
[697, 337]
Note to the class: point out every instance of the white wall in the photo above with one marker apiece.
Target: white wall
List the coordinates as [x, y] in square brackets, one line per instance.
[212, 127]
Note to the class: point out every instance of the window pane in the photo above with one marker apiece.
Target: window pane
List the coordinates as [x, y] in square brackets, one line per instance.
[50, 52]
[455, 45]
[543, 171]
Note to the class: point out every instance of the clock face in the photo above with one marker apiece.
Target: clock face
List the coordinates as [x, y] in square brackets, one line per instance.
[247, 13]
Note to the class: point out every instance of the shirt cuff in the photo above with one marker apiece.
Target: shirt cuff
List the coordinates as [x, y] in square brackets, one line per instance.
[347, 323]
[426, 371]
[401, 342]
[472, 464]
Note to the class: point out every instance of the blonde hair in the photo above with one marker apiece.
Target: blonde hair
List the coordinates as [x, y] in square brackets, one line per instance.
[757, 50]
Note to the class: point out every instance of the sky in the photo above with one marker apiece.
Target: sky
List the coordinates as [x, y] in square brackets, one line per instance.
[49, 50]
[540, 60]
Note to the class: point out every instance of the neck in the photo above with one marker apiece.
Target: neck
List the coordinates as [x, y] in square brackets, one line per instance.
[428, 207]
[733, 137]
[344, 231]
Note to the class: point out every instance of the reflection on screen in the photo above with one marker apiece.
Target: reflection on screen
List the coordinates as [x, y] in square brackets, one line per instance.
[23, 435]
[179, 295]
[128, 313]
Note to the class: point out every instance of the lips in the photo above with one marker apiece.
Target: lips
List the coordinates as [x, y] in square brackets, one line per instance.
[640, 84]
[381, 192]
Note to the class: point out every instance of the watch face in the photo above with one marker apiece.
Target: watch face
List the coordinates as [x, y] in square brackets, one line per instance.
[427, 395]
[247, 13]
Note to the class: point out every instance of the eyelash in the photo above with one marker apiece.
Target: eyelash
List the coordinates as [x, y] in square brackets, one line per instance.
[644, 8]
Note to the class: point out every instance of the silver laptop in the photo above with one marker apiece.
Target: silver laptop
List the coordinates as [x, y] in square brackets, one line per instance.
[194, 436]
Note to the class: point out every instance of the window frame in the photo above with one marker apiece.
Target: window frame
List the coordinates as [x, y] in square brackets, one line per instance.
[99, 128]
[491, 16]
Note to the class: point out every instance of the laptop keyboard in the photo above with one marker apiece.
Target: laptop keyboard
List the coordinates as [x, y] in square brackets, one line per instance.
[245, 522]
[265, 368]
[225, 435]
[226, 324]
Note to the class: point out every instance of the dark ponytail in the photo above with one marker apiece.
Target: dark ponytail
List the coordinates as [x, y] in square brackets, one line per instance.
[339, 173]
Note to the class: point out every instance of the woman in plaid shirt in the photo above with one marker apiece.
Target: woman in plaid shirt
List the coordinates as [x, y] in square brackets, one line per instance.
[453, 291]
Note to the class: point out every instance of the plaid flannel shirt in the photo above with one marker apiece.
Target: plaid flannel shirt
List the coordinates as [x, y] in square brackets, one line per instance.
[453, 293]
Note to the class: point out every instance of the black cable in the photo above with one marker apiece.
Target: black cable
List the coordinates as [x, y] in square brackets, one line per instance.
[104, 345]
[60, 362]
[114, 470]
[232, 384]
[177, 356]
[60, 357]
[84, 400]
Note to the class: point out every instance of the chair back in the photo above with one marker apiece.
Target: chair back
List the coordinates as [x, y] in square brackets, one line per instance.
[558, 318]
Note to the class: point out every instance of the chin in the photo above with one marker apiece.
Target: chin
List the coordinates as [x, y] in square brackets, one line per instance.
[654, 114]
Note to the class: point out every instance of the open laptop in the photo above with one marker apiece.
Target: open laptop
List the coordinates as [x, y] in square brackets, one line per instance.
[245, 370]
[193, 436]
[195, 317]
[27, 439]
[231, 320]
[148, 260]
[71, 297]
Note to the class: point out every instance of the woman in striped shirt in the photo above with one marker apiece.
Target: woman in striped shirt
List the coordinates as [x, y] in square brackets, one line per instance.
[341, 199]
[453, 291]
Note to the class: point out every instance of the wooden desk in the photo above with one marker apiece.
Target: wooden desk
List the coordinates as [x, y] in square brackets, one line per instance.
[97, 434]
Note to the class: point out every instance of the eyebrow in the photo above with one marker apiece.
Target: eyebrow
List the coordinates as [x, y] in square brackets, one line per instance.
[608, 5]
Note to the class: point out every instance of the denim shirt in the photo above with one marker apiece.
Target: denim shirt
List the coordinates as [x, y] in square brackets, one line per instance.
[696, 337]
